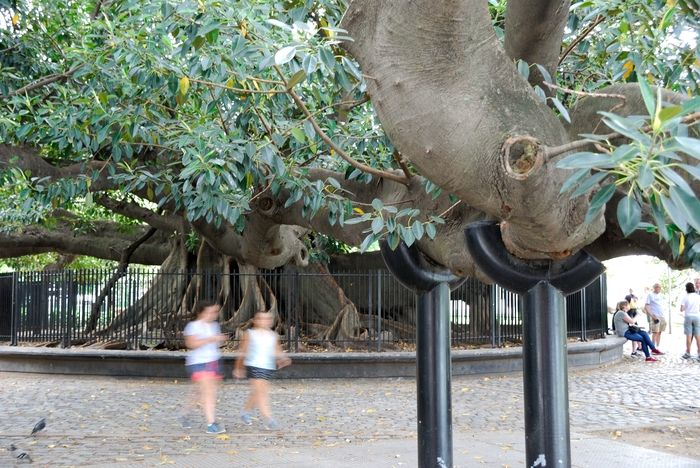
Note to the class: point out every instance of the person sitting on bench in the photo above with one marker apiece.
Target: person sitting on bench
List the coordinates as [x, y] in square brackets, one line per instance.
[625, 327]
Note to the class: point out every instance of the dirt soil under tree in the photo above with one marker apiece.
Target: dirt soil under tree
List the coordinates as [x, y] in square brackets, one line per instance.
[678, 439]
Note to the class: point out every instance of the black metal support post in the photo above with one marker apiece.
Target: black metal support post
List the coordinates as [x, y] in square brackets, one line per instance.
[545, 377]
[433, 365]
[434, 377]
[544, 284]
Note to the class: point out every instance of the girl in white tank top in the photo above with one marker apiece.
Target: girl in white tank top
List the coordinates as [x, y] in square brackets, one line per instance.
[262, 355]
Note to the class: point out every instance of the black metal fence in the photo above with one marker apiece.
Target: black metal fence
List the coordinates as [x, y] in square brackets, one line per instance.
[359, 311]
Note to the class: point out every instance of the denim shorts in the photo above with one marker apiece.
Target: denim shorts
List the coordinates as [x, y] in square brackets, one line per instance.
[691, 325]
[202, 370]
[259, 373]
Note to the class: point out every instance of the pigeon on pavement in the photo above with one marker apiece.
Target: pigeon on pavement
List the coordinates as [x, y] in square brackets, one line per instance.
[24, 458]
[39, 426]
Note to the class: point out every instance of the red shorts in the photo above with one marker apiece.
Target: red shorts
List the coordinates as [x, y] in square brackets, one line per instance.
[204, 370]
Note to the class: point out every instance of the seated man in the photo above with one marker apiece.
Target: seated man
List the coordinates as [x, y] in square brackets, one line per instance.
[622, 323]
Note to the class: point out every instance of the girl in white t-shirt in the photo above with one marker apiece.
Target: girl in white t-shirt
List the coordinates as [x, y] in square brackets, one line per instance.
[203, 338]
[690, 306]
[261, 353]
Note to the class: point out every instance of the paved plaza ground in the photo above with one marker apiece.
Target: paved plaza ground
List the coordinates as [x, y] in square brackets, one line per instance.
[650, 411]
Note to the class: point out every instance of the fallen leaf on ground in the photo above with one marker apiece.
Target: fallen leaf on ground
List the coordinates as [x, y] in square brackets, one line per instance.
[223, 437]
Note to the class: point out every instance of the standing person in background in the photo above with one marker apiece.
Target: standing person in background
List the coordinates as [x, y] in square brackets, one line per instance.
[203, 338]
[262, 355]
[656, 308]
[690, 306]
[697, 285]
[631, 300]
[642, 301]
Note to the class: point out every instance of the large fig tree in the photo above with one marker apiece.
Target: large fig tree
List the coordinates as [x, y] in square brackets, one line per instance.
[243, 135]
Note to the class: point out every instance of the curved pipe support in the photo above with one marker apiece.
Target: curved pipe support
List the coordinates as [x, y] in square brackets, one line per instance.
[545, 382]
[432, 284]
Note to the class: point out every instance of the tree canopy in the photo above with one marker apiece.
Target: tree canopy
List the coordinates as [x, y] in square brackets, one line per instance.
[265, 130]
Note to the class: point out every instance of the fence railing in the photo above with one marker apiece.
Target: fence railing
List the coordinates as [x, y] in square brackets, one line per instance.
[360, 311]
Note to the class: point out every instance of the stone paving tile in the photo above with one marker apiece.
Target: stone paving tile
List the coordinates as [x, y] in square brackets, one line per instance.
[98, 420]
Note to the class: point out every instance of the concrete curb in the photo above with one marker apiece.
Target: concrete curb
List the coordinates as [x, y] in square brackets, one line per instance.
[170, 364]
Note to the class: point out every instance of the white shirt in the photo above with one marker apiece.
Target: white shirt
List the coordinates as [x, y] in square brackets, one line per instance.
[262, 347]
[657, 305]
[208, 352]
[691, 305]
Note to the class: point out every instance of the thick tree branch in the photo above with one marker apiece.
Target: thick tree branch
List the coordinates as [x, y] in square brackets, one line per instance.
[47, 80]
[27, 158]
[533, 33]
[107, 242]
[167, 223]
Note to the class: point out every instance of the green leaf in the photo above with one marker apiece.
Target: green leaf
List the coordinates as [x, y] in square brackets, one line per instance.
[648, 96]
[279, 24]
[658, 215]
[393, 239]
[377, 225]
[691, 105]
[586, 159]
[626, 127]
[545, 74]
[327, 58]
[599, 200]
[589, 183]
[667, 20]
[688, 205]
[690, 146]
[406, 235]
[676, 214]
[310, 64]
[417, 229]
[667, 113]
[296, 78]
[629, 214]
[369, 240]
[693, 170]
[523, 69]
[574, 179]
[285, 54]
[430, 230]
[645, 177]
[562, 110]
[377, 204]
[298, 134]
[359, 219]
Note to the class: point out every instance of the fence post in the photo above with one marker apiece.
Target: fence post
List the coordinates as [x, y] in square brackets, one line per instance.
[296, 300]
[379, 310]
[584, 315]
[493, 313]
[14, 312]
[370, 308]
